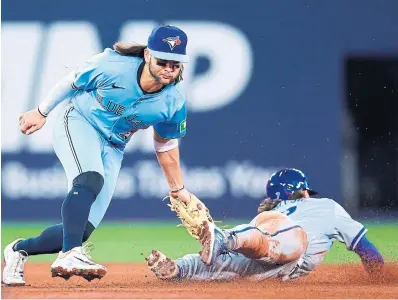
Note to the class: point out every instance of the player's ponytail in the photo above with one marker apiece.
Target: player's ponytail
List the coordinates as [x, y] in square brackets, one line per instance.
[130, 49]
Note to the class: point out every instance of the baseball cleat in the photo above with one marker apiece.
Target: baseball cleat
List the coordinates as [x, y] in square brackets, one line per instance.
[13, 273]
[76, 262]
[163, 267]
[214, 242]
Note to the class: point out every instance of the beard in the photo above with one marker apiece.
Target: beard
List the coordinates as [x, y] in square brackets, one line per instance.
[159, 79]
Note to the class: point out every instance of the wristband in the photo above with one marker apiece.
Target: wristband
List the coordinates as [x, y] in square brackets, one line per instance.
[38, 109]
[177, 190]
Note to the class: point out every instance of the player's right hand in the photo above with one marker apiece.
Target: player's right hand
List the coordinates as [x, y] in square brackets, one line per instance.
[183, 195]
[31, 121]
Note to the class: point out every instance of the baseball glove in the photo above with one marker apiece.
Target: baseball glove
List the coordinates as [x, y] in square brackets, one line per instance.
[192, 215]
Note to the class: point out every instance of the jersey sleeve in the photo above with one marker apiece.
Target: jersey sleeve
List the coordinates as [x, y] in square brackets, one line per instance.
[91, 74]
[176, 127]
[349, 231]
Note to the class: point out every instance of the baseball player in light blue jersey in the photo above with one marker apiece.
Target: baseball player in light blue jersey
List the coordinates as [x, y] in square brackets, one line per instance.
[287, 239]
[114, 94]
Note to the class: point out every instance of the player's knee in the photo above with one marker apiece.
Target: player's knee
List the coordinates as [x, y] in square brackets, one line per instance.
[91, 180]
[293, 244]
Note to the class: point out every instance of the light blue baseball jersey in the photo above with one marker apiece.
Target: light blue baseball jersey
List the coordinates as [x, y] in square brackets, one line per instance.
[109, 96]
[324, 221]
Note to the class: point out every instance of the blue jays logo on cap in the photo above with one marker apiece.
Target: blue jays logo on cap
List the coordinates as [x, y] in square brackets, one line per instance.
[169, 43]
[172, 41]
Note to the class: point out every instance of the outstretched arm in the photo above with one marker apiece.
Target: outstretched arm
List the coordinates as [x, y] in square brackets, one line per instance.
[168, 155]
[352, 233]
[371, 258]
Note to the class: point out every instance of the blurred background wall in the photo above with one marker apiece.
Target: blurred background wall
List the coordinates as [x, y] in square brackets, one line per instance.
[305, 84]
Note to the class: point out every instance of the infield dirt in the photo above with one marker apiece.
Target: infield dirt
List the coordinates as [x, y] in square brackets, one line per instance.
[136, 281]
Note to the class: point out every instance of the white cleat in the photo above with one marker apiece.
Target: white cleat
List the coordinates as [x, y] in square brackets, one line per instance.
[163, 267]
[76, 262]
[13, 273]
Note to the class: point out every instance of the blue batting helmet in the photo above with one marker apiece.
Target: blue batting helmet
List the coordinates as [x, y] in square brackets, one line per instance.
[285, 182]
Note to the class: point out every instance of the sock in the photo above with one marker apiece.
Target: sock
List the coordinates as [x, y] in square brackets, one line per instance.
[75, 211]
[49, 241]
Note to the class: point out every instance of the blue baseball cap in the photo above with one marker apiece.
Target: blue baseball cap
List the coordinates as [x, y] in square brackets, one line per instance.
[169, 43]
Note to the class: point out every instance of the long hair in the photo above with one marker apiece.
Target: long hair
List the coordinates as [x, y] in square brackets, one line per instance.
[297, 195]
[130, 49]
[137, 50]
